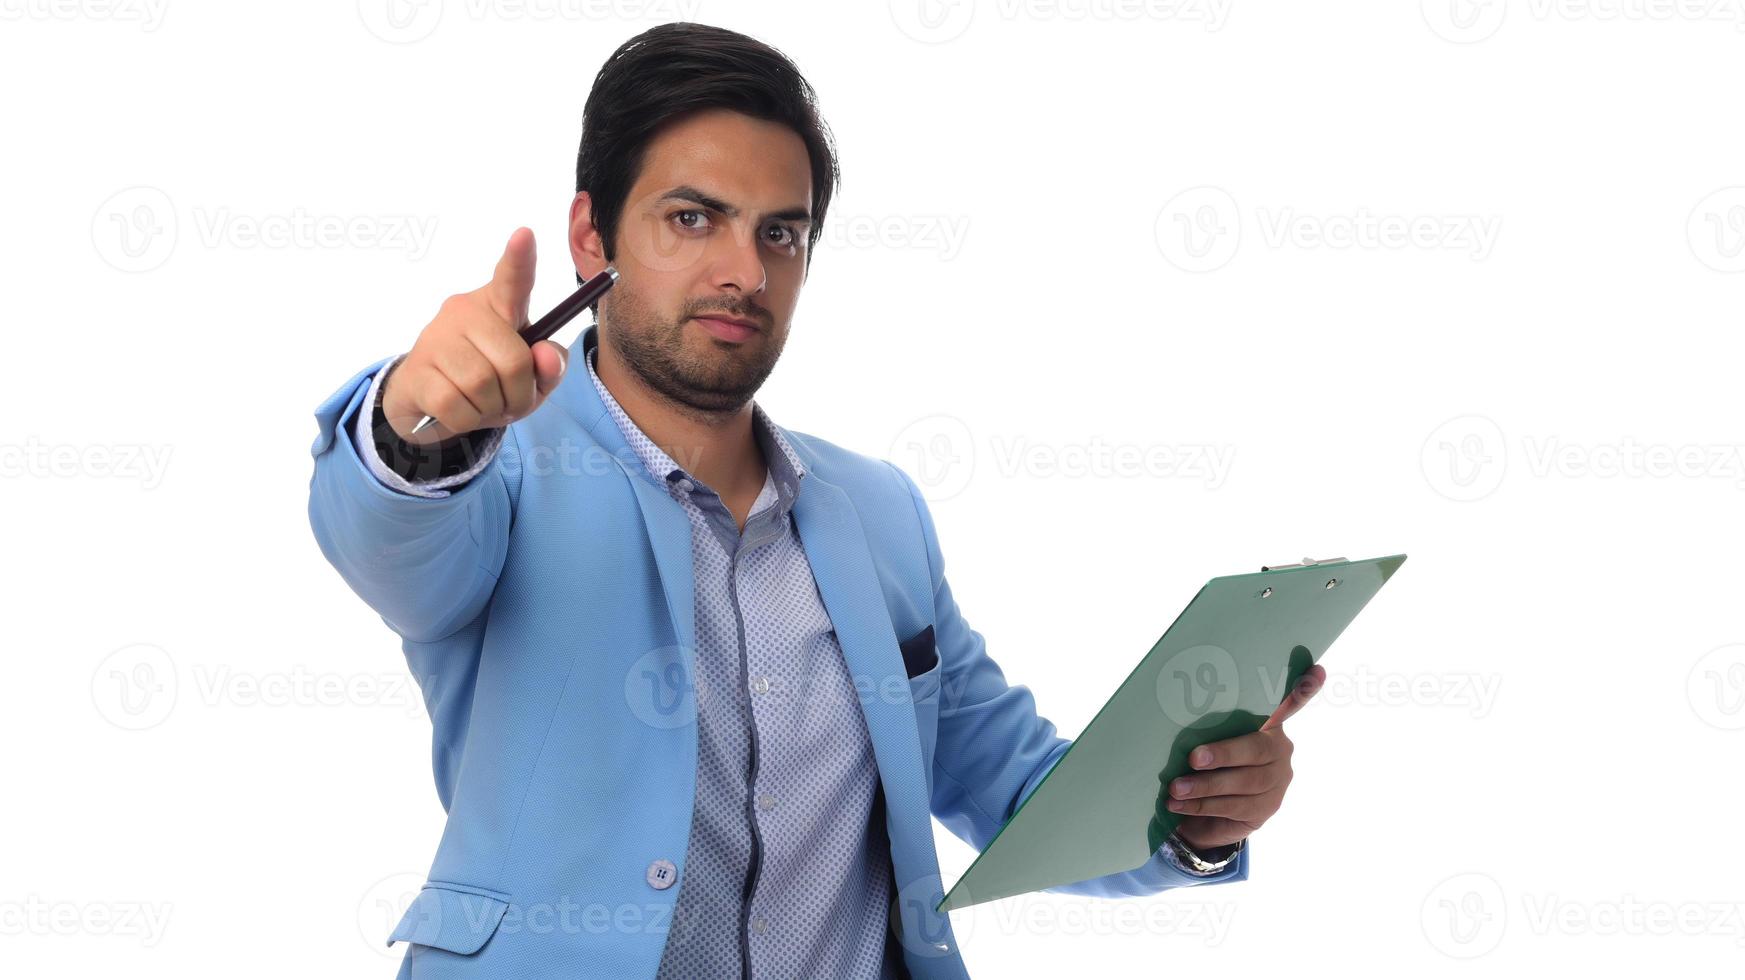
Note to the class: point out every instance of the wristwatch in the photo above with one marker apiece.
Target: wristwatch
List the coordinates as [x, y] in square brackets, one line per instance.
[1203, 862]
[432, 461]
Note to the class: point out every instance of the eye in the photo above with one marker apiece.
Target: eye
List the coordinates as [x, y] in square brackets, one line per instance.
[782, 235]
[702, 220]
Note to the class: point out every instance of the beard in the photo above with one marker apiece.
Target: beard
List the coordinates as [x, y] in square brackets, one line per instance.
[712, 377]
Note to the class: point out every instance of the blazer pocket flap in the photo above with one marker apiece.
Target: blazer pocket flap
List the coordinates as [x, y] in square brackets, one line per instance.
[457, 918]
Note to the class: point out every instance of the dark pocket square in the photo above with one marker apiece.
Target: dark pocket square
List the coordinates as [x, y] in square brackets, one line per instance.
[919, 654]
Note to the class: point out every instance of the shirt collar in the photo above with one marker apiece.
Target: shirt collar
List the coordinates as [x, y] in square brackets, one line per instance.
[787, 470]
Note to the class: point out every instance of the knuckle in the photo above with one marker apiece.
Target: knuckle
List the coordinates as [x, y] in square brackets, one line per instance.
[468, 369]
[518, 370]
[521, 377]
[473, 381]
[449, 407]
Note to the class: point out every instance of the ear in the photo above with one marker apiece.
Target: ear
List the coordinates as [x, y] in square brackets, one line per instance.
[587, 249]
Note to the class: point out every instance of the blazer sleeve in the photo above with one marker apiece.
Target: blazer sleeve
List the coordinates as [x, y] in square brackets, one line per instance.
[993, 748]
[425, 562]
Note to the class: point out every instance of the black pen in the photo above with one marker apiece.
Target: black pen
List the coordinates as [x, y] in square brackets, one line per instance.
[562, 313]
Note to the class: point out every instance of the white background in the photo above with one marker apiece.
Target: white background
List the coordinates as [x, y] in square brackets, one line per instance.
[1064, 230]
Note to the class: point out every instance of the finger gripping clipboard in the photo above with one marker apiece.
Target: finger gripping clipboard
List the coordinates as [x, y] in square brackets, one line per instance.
[1219, 671]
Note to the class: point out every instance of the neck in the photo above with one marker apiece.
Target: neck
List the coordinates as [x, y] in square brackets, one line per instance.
[718, 448]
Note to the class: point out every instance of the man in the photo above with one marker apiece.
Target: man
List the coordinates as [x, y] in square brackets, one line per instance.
[696, 680]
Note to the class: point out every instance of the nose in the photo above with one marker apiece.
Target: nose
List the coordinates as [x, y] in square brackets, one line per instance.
[739, 265]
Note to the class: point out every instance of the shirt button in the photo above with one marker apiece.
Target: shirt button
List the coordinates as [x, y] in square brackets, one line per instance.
[662, 873]
[760, 685]
[766, 802]
[759, 925]
[686, 486]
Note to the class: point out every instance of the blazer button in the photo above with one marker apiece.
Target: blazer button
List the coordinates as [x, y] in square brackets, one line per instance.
[662, 873]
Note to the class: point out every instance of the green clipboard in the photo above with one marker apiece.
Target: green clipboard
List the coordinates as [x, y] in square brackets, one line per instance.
[1219, 671]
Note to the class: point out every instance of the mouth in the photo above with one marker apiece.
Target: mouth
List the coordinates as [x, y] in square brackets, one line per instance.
[732, 329]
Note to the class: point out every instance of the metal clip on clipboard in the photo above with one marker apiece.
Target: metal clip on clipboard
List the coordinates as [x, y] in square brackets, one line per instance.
[1305, 563]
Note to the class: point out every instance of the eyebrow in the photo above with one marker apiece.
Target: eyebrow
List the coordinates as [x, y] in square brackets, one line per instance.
[685, 192]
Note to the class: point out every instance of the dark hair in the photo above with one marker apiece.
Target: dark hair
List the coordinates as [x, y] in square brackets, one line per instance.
[678, 68]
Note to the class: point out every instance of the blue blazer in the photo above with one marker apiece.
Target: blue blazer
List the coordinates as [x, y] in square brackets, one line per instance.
[546, 610]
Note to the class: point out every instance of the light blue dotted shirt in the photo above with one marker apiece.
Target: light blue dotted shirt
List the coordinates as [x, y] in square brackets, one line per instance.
[788, 873]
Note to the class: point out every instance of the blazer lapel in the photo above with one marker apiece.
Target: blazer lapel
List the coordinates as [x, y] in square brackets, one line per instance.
[669, 530]
[835, 545]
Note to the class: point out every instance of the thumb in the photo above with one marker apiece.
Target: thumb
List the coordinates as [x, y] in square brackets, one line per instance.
[1305, 688]
[550, 361]
[512, 281]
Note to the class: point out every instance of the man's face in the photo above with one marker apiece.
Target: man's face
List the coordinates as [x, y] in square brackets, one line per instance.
[716, 223]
